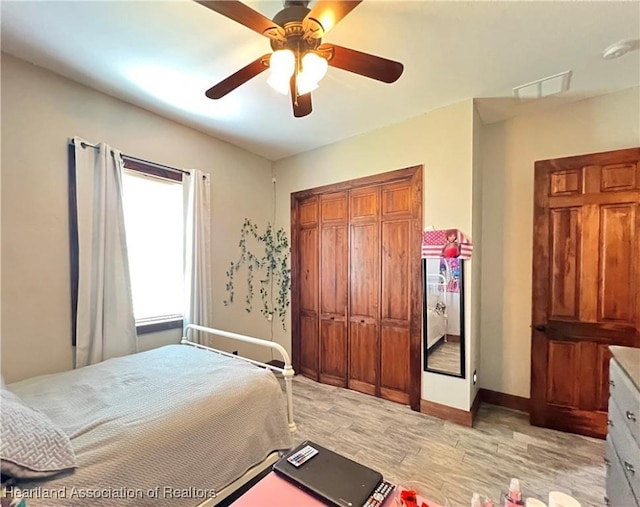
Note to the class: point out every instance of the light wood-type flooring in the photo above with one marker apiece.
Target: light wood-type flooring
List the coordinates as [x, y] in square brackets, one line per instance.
[451, 460]
[445, 358]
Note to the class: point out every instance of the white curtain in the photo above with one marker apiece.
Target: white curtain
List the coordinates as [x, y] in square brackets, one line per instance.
[105, 324]
[197, 250]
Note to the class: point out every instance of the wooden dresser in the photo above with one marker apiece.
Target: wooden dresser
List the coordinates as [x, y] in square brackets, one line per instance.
[623, 437]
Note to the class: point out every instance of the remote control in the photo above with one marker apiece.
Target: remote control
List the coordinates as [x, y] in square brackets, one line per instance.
[380, 494]
[302, 456]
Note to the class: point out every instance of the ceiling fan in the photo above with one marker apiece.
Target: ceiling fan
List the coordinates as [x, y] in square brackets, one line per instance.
[299, 59]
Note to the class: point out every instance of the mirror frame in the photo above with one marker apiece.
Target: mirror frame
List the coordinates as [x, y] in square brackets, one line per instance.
[425, 365]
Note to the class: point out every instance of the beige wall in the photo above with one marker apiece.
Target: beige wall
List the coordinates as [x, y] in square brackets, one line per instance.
[509, 151]
[40, 112]
[442, 141]
[476, 237]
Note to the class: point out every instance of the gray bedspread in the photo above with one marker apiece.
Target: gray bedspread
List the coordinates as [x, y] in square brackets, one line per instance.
[167, 427]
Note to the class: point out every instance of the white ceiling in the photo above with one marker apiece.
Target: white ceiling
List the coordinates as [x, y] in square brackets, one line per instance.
[163, 55]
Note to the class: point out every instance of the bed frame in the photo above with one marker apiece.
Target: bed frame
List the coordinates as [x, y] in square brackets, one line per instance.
[287, 373]
[437, 284]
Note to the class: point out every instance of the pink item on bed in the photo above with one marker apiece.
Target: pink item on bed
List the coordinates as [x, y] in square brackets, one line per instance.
[274, 491]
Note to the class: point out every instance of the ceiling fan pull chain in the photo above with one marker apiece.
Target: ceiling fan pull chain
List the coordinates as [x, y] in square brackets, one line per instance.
[298, 70]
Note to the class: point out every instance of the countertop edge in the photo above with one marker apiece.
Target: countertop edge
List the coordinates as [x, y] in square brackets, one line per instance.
[629, 359]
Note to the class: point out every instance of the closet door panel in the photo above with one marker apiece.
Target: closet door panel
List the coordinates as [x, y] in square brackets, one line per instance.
[308, 290]
[333, 208]
[364, 350]
[309, 270]
[308, 212]
[364, 204]
[333, 353]
[364, 289]
[333, 271]
[396, 200]
[309, 345]
[394, 376]
[364, 270]
[396, 270]
[395, 295]
[333, 288]
[363, 356]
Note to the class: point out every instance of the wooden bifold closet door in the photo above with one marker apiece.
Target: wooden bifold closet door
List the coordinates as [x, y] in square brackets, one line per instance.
[333, 288]
[364, 290]
[306, 297]
[356, 284]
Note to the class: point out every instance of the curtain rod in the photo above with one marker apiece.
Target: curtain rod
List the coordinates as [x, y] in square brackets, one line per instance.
[136, 159]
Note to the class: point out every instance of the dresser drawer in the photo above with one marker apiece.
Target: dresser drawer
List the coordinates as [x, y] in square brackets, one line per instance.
[625, 446]
[619, 492]
[627, 399]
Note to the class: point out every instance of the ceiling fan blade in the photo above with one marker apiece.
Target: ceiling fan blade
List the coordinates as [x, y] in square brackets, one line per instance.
[242, 76]
[325, 15]
[245, 15]
[374, 67]
[302, 103]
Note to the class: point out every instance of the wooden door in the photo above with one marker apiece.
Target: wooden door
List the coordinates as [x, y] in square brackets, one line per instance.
[344, 330]
[396, 238]
[364, 289]
[308, 271]
[586, 287]
[333, 288]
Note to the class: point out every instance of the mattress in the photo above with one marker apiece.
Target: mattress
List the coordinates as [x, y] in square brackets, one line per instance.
[167, 427]
[436, 326]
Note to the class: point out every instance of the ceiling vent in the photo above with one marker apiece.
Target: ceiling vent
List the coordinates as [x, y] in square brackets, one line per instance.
[544, 87]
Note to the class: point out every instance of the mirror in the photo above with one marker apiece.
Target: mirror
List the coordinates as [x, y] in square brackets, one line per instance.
[443, 315]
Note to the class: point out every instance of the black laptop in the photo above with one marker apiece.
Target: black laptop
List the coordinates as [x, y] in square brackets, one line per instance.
[332, 478]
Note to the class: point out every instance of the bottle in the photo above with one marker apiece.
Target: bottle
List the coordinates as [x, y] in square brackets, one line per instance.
[475, 500]
[514, 498]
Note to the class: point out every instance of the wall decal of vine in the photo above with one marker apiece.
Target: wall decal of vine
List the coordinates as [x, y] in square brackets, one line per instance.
[272, 268]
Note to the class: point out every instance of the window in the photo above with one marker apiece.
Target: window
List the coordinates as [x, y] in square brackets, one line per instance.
[153, 212]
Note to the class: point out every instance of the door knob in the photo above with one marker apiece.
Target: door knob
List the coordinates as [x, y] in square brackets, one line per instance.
[540, 327]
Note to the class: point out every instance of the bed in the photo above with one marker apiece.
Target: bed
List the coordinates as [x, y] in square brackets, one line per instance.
[182, 426]
[437, 322]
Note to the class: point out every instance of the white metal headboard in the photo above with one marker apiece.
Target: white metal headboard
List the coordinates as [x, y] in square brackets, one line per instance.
[438, 282]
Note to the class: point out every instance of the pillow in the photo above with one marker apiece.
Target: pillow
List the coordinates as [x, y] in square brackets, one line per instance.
[31, 445]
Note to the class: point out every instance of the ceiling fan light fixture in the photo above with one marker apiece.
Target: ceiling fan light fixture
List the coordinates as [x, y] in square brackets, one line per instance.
[306, 85]
[282, 64]
[314, 68]
[279, 84]
[299, 59]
